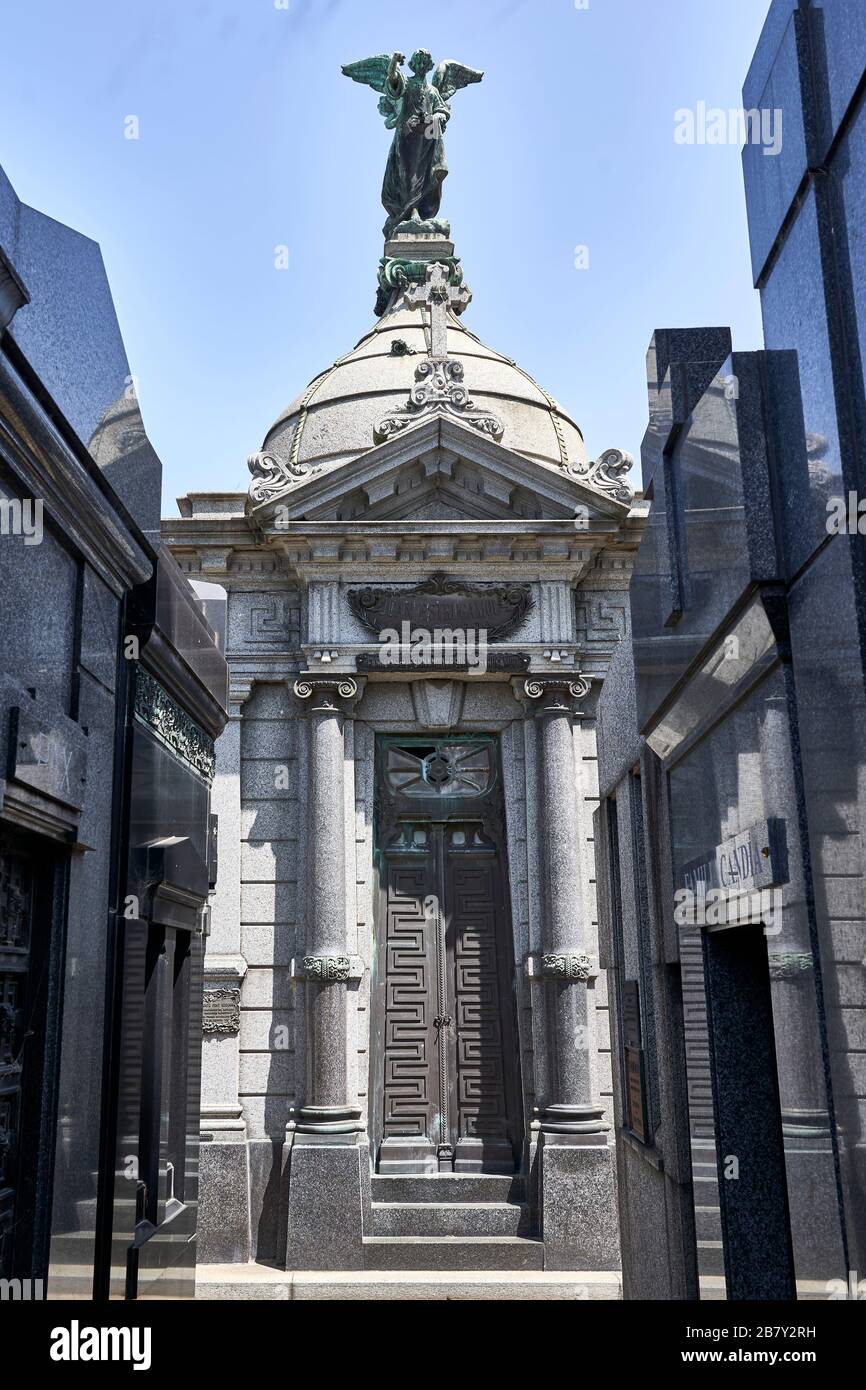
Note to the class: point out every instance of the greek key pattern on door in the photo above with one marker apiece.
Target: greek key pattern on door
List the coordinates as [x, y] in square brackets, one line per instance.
[410, 993]
[481, 1102]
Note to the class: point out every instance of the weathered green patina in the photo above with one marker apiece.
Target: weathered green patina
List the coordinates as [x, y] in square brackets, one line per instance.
[417, 113]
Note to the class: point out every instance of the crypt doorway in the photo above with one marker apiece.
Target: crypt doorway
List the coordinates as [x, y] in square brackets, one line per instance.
[445, 1087]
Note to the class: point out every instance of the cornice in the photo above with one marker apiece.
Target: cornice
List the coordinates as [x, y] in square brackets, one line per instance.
[166, 664]
[211, 549]
[48, 468]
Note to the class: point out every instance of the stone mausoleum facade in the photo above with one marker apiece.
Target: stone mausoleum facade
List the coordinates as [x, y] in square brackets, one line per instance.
[406, 1051]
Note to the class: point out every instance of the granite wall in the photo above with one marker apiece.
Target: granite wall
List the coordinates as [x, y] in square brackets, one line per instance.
[73, 800]
[809, 264]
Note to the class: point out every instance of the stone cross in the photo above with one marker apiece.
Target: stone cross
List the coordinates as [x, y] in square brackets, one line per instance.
[439, 386]
[441, 296]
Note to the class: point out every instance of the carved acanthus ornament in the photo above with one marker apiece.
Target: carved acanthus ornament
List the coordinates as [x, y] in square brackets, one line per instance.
[606, 474]
[567, 966]
[327, 969]
[439, 387]
[272, 475]
[174, 728]
[790, 964]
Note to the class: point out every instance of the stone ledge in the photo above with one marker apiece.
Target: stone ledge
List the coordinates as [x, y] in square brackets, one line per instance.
[256, 1281]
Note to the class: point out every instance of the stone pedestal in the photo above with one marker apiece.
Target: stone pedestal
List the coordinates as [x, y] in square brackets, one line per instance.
[578, 1206]
[224, 1202]
[329, 1191]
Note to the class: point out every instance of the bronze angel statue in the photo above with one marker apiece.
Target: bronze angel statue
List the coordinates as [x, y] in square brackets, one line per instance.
[418, 114]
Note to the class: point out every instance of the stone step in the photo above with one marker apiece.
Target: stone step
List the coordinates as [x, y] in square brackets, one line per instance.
[85, 1211]
[712, 1288]
[452, 1252]
[704, 1183]
[704, 1167]
[259, 1282]
[451, 1219]
[711, 1259]
[449, 1187]
[72, 1247]
[706, 1190]
[708, 1223]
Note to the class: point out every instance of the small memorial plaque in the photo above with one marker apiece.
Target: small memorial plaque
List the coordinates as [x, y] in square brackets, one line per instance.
[50, 758]
[755, 859]
[221, 1011]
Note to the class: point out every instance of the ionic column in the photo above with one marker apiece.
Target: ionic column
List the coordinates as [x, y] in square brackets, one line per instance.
[327, 1115]
[328, 1195]
[570, 1113]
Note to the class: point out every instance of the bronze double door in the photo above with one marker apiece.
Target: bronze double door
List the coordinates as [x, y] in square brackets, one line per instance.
[445, 1069]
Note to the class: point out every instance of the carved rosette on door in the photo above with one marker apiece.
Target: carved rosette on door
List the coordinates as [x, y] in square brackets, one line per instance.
[444, 1080]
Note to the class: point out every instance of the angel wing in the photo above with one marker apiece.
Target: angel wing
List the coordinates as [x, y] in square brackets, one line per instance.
[449, 77]
[373, 72]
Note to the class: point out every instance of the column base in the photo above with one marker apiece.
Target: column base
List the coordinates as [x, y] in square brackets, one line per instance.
[327, 1124]
[328, 1203]
[577, 1204]
[574, 1124]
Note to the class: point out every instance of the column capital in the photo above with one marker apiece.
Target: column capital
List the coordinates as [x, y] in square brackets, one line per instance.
[542, 695]
[336, 694]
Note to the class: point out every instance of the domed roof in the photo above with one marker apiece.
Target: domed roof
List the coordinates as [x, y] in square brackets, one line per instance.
[333, 421]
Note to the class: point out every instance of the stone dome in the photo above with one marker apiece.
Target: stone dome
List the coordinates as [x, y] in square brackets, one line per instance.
[333, 421]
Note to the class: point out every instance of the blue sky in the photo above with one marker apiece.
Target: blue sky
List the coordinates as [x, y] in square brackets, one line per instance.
[249, 139]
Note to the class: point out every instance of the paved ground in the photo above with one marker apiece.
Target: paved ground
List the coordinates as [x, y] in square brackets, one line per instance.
[255, 1281]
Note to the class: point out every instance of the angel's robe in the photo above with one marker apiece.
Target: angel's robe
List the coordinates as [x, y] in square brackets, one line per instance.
[416, 161]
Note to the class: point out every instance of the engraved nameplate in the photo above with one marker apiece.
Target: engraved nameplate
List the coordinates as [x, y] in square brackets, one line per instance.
[221, 1011]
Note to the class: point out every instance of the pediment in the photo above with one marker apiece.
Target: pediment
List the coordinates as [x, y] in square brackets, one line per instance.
[438, 471]
[435, 508]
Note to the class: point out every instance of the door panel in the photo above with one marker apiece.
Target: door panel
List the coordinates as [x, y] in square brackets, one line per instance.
[473, 902]
[410, 1062]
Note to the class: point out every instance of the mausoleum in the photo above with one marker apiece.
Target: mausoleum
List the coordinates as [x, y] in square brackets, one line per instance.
[406, 1052]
